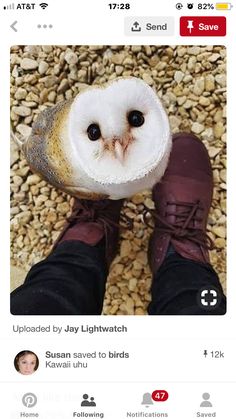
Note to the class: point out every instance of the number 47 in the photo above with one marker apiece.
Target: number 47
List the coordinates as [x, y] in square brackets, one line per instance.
[160, 395]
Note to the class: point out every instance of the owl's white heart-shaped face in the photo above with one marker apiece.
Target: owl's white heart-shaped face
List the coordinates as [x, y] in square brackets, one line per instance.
[117, 133]
[110, 141]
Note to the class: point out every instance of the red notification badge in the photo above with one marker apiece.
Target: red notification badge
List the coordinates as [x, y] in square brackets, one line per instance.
[160, 395]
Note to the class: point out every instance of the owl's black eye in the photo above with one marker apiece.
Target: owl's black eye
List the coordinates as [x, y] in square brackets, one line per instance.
[94, 132]
[136, 118]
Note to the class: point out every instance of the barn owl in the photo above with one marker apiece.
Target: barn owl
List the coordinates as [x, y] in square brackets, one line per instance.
[108, 142]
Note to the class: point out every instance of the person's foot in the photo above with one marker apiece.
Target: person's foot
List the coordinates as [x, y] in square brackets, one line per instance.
[182, 200]
[94, 221]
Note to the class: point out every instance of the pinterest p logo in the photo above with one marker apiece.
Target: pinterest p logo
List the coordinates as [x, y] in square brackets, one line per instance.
[29, 400]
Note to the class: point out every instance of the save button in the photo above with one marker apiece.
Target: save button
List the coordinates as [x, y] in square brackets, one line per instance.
[203, 26]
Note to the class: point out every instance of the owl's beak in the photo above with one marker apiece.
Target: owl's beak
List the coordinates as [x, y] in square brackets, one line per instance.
[119, 151]
[120, 146]
[117, 146]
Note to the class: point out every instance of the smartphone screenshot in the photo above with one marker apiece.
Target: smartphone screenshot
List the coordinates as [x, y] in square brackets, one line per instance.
[117, 257]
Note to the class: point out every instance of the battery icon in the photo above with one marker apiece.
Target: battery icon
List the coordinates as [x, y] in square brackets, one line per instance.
[223, 6]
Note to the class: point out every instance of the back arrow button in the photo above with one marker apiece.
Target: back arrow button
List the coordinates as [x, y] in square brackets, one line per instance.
[13, 26]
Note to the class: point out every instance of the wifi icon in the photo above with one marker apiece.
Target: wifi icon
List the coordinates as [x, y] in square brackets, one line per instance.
[43, 5]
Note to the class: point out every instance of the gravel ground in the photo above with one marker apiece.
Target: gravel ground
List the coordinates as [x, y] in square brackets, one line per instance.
[192, 84]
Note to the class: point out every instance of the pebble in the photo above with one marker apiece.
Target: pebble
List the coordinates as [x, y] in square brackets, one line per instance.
[142, 257]
[50, 81]
[82, 75]
[52, 96]
[21, 93]
[47, 48]
[29, 64]
[221, 79]
[63, 208]
[33, 180]
[219, 129]
[199, 87]
[24, 217]
[21, 110]
[213, 151]
[220, 243]
[188, 104]
[119, 70]
[194, 50]
[218, 116]
[117, 269]
[204, 101]
[181, 51]
[17, 180]
[51, 217]
[14, 210]
[113, 309]
[136, 48]
[149, 203]
[197, 128]
[34, 189]
[179, 75]
[128, 62]
[187, 78]
[213, 58]
[223, 175]
[43, 67]
[50, 204]
[208, 134]
[24, 187]
[40, 200]
[132, 284]
[59, 225]
[24, 130]
[137, 265]
[14, 150]
[64, 85]
[71, 58]
[181, 100]
[139, 311]
[192, 63]
[148, 79]
[125, 248]
[117, 58]
[209, 83]
[137, 199]
[128, 306]
[174, 123]
[219, 231]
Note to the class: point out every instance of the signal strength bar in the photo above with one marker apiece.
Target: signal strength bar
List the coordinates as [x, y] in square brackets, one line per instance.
[9, 7]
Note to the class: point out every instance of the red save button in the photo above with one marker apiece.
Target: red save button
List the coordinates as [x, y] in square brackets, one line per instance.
[202, 26]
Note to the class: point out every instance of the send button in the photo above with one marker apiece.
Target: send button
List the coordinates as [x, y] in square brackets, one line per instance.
[149, 26]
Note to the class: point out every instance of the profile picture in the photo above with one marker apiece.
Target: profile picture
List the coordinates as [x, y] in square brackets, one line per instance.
[26, 362]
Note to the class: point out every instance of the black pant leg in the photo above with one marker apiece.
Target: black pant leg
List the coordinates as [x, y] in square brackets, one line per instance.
[176, 285]
[71, 280]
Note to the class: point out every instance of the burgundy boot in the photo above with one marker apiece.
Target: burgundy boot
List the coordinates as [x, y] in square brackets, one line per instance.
[92, 221]
[183, 199]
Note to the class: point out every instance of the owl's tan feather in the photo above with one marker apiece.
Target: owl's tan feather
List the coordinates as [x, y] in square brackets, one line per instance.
[43, 149]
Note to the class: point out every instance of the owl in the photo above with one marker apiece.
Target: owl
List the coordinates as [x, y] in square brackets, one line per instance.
[110, 141]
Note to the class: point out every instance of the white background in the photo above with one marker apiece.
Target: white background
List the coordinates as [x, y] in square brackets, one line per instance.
[168, 347]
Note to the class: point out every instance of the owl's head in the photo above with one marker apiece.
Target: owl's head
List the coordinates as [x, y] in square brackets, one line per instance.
[114, 139]
[118, 132]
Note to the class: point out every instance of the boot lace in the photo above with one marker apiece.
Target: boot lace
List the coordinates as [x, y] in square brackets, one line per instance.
[100, 212]
[186, 215]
